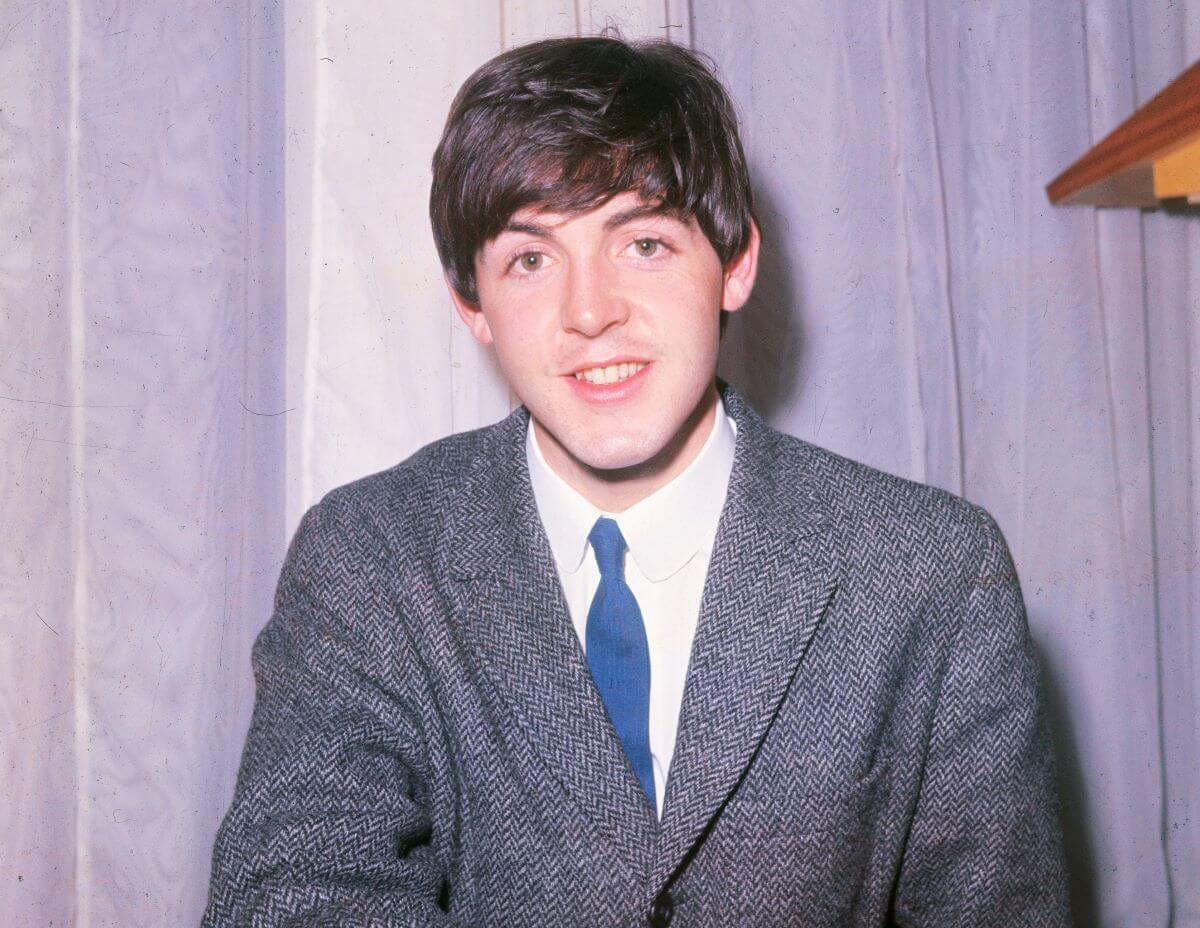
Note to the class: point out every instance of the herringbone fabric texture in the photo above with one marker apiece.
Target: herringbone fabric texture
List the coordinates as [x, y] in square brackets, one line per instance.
[862, 740]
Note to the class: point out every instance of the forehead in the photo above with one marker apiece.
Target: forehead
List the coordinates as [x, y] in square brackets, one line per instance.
[627, 206]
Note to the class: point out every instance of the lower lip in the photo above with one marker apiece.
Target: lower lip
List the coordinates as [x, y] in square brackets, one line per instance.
[609, 392]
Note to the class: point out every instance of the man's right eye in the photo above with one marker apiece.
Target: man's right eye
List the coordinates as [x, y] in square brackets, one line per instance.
[528, 261]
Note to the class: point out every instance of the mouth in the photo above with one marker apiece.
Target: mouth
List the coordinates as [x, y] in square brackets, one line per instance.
[611, 371]
[614, 381]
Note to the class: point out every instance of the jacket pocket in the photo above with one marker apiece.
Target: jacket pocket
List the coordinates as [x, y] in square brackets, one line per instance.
[774, 801]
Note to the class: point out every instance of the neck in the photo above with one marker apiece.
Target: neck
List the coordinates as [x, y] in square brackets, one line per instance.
[618, 489]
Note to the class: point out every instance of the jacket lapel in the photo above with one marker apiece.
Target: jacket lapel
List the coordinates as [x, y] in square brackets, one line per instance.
[773, 571]
[513, 615]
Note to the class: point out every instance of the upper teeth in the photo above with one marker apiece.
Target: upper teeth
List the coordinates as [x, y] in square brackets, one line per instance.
[614, 373]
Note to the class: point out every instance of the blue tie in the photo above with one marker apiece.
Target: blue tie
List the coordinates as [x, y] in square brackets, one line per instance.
[617, 652]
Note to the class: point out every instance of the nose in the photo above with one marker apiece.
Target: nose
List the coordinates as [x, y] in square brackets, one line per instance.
[592, 301]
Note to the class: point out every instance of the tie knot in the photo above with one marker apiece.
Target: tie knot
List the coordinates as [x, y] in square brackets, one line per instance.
[609, 547]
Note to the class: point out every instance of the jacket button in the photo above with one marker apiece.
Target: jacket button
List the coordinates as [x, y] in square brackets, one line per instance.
[661, 910]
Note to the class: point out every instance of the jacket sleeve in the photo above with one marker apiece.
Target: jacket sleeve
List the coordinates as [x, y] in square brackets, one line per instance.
[985, 845]
[330, 822]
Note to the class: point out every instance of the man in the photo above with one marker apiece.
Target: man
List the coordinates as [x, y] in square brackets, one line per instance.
[630, 656]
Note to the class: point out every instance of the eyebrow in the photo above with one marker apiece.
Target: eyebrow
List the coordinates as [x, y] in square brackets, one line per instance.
[642, 211]
[616, 220]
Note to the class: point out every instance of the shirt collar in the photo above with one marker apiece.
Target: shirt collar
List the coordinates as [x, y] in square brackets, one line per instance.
[664, 531]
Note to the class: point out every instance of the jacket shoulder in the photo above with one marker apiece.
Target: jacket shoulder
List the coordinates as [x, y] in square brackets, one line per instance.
[406, 501]
[892, 513]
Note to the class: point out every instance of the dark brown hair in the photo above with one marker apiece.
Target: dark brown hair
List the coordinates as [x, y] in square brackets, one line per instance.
[565, 124]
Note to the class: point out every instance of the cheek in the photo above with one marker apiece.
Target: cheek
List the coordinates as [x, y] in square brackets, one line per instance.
[524, 340]
[686, 310]
[689, 291]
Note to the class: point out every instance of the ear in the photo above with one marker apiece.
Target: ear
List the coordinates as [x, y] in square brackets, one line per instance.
[470, 313]
[740, 273]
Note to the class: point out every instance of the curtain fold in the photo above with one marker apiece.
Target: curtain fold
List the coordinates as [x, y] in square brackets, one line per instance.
[219, 298]
[943, 322]
[141, 391]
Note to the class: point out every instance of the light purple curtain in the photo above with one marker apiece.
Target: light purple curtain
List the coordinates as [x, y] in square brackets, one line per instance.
[141, 490]
[926, 310]
[219, 298]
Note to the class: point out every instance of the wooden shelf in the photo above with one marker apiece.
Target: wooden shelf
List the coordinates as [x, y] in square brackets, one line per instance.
[1152, 156]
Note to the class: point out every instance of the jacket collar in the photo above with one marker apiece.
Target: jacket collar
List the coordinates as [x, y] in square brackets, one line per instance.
[773, 571]
[496, 511]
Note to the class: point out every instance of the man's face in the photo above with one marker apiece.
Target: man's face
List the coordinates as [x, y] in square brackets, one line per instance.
[606, 324]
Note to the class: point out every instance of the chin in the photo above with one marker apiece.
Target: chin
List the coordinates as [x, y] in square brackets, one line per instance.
[615, 452]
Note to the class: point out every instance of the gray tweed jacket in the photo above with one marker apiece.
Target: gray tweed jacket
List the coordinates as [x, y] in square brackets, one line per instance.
[862, 739]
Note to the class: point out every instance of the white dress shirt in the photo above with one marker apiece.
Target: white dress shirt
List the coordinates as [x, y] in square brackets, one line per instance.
[670, 536]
